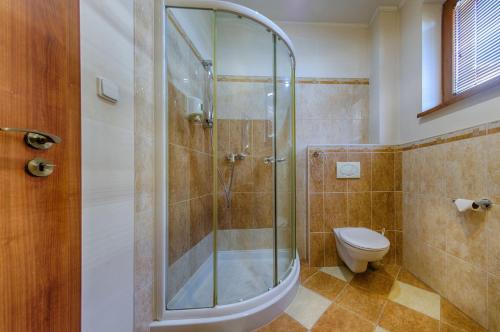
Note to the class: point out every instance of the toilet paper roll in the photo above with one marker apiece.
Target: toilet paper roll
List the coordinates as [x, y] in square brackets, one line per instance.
[465, 204]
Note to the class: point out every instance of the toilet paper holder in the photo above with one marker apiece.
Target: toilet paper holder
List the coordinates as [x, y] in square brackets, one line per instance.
[484, 203]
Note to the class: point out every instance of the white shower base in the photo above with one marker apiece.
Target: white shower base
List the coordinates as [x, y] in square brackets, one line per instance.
[246, 298]
[241, 275]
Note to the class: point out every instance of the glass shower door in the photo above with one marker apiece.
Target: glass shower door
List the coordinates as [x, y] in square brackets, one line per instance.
[284, 157]
[190, 240]
[244, 131]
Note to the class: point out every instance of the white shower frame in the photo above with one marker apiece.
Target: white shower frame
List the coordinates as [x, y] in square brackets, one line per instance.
[241, 316]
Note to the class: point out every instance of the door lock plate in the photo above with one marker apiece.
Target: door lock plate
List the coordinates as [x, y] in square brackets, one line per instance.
[40, 167]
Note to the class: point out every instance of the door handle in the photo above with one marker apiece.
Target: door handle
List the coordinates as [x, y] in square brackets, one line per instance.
[36, 139]
[271, 160]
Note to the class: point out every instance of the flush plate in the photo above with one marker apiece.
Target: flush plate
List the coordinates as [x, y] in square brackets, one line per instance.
[348, 170]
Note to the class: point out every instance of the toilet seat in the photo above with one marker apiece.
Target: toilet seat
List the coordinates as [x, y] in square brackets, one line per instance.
[363, 238]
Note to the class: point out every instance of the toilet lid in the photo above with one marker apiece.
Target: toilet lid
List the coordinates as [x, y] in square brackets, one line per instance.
[363, 238]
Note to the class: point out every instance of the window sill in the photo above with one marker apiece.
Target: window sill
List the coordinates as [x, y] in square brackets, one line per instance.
[456, 98]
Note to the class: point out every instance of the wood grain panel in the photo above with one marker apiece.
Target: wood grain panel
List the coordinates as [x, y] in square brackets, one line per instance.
[40, 218]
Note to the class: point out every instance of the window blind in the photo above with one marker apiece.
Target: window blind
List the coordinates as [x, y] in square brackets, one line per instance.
[476, 42]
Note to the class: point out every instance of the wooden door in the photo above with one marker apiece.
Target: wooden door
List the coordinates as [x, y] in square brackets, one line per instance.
[40, 217]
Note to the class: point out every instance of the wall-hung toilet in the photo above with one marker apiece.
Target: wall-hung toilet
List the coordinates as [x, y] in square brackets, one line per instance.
[357, 246]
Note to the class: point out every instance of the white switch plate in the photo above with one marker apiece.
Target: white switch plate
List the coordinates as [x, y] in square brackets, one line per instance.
[107, 90]
[348, 170]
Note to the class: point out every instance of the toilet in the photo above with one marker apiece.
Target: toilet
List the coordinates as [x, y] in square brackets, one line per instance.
[357, 246]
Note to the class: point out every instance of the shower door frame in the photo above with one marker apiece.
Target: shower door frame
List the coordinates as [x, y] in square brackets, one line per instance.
[161, 148]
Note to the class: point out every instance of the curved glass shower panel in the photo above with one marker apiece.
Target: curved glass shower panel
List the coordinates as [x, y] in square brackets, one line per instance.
[245, 133]
[190, 238]
[285, 162]
[231, 190]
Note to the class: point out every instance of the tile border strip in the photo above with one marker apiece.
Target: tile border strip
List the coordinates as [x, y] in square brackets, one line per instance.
[299, 80]
[458, 135]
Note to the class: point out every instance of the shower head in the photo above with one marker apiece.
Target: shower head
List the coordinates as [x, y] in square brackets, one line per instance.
[208, 109]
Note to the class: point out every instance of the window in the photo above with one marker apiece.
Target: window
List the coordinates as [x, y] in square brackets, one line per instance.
[476, 43]
[470, 49]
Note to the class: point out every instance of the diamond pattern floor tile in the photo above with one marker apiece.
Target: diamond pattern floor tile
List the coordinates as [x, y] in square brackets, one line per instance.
[307, 307]
[417, 299]
[335, 299]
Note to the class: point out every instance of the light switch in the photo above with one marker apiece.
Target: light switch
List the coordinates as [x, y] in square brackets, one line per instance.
[348, 170]
[107, 90]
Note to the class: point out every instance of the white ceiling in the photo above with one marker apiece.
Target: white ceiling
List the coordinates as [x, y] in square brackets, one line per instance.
[336, 11]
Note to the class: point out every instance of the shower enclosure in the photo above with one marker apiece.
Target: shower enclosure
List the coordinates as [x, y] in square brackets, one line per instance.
[230, 226]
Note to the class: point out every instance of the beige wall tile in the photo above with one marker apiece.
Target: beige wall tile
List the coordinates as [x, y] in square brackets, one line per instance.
[317, 250]
[262, 138]
[263, 213]
[178, 230]
[242, 210]
[433, 170]
[493, 303]
[331, 183]
[493, 231]
[466, 169]
[200, 175]
[492, 145]
[398, 210]
[262, 175]
[466, 287]
[411, 221]
[335, 210]
[316, 220]
[178, 162]
[431, 266]
[331, 256]
[383, 171]
[359, 209]
[398, 171]
[433, 217]
[364, 183]
[243, 180]
[383, 210]
[466, 236]
[237, 131]
[399, 248]
[316, 172]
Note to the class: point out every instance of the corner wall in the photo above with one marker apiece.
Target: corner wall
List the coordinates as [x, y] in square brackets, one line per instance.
[107, 167]
[457, 254]
[144, 93]
[384, 87]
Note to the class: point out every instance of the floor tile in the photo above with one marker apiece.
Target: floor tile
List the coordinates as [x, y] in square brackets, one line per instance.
[396, 317]
[416, 298]
[307, 307]
[408, 278]
[306, 272]
[339, 272]
[372, 282]
[454, 317]
[443, 327]
[362, 302]
[325, 285]
[389, 271]
[283, 323]
[380, 329]
[339, 319]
